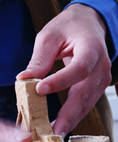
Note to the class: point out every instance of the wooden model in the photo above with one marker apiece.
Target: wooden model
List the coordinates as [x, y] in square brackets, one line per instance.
[33, 115]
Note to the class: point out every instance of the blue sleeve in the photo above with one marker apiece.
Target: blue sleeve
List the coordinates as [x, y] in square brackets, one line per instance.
[108, 9]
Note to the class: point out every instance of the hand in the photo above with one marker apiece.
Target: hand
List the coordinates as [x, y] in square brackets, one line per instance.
[8, 132]
[77, 35]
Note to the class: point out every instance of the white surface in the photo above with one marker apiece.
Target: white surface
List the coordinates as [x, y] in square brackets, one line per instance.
[113, 100]
[115, 131]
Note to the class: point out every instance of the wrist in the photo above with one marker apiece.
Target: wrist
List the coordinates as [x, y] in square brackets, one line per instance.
[90, 12]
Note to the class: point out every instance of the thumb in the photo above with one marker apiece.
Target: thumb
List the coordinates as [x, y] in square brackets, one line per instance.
[44, 54]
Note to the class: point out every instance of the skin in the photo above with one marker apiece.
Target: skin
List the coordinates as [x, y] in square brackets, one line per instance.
[9, 133]
[76, 35]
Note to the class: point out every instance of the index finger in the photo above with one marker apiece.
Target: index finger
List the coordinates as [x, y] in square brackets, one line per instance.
[81, 65]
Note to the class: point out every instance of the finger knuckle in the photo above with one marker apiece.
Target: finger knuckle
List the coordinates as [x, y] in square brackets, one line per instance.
[37, 66]
[68, 121]
[85, 111]
[85, 69]
[83, 98]
[108, 78]
[106, 65]
[35, 63]
[43, 36]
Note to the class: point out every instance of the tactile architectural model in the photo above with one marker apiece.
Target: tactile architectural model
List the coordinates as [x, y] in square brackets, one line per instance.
[33, 115]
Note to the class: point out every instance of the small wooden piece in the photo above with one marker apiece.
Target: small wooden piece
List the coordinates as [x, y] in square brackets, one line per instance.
[32, 109]
[51, 138]
[87, 138]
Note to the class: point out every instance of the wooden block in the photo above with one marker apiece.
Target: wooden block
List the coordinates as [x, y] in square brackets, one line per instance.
[50, 138]
[32, 109]
[86, 138]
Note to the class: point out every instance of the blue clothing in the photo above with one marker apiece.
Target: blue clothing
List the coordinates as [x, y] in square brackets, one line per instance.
[17, 36]
[108, 9]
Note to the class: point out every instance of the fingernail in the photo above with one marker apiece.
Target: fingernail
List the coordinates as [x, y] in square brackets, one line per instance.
[17, 77]
[63, 134]
[52, 123]
[42, 89]
[23, 136]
